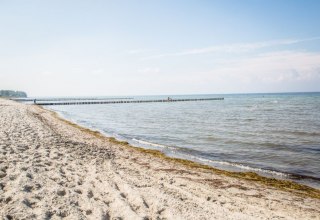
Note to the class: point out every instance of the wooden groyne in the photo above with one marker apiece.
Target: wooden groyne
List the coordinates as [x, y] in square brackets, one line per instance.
[126, 101]
[65, 99]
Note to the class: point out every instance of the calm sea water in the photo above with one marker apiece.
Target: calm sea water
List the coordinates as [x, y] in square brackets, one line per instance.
[272, 134]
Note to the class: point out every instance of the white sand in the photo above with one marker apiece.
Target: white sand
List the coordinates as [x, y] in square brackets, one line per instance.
[52, 170]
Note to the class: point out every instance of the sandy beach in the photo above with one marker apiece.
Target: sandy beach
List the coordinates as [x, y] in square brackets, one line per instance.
[53, 169]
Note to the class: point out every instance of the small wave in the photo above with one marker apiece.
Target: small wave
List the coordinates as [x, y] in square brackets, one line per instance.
[264, 144]
[240, 166]
[301, 133]
[212, 162]
[211, 138]
[152, 144]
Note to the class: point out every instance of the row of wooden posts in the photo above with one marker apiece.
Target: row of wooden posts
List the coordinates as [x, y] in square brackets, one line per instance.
[124, 101]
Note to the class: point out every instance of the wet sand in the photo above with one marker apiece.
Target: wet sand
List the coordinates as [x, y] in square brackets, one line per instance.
[51, 169]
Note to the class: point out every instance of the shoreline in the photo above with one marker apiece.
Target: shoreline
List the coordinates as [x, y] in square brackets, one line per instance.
[120, 180]
[281, 183]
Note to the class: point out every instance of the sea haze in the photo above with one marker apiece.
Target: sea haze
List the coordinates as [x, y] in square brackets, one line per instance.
[272, 134]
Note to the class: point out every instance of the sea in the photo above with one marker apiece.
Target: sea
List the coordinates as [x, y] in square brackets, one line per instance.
[275, 135]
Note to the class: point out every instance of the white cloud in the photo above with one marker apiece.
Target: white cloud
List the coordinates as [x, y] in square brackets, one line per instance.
[98, 72]
[274, 67]
[233, 48]
[149, 70]
[138, 51]
[47, 73]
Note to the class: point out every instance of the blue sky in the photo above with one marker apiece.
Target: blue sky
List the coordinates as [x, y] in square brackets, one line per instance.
[74, 48]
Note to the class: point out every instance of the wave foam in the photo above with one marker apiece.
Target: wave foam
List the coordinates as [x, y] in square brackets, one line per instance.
[152, 144]
[212, 162]
[240, 166]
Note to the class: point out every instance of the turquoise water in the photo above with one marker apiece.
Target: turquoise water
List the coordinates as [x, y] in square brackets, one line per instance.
[273, 134]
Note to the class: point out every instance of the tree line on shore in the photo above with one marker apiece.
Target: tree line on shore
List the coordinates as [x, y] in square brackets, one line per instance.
[13, 94]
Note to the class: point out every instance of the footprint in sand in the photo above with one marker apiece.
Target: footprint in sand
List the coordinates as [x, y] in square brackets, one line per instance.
[78, 191]
[61, 192]
[28, 203]
[2, 174]
[89, 212]
[90, 194]
[27, 188]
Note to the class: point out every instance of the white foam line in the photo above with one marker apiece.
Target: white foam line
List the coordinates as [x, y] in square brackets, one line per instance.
[240, 166]
[243, 167]
[152, 144]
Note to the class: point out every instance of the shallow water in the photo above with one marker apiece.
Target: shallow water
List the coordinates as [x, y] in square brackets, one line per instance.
[272, 134]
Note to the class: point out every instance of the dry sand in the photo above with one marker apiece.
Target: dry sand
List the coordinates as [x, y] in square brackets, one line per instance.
[50, 169]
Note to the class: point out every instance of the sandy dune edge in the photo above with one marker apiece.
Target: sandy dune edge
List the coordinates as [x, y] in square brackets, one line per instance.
[52, 170]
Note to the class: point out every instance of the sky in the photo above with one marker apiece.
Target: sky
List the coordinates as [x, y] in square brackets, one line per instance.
[154, 47]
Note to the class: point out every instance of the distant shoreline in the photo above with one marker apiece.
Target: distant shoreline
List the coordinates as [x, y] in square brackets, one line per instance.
[163, 95]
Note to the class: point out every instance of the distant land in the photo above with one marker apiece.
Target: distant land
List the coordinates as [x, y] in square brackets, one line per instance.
[13, 94]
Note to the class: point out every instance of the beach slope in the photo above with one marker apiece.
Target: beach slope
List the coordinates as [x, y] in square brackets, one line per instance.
[53, 169]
